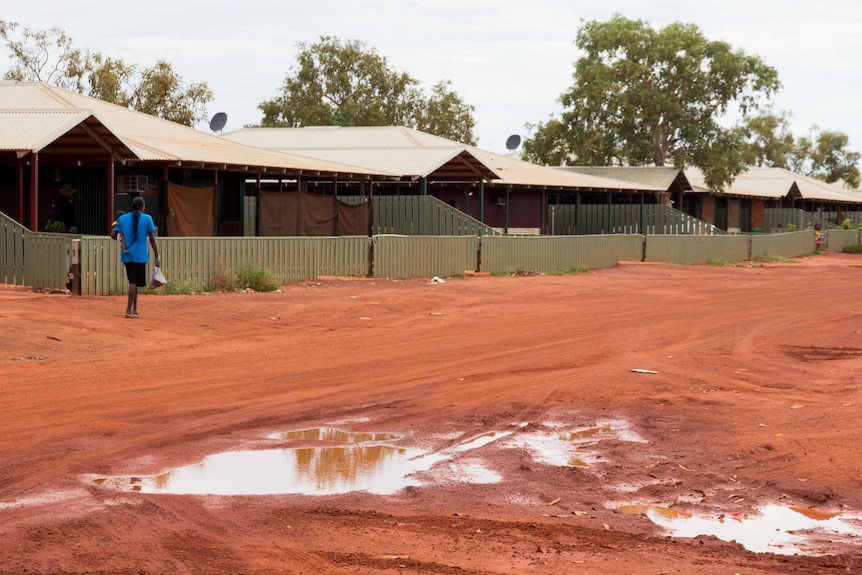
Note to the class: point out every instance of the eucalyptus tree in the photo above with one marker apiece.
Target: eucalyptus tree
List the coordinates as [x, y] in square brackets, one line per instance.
[345, 83]
[645, 96]
[50, 56]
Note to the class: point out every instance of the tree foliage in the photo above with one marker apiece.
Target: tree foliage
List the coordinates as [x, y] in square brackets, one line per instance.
[343, 83]
[822, 154]
[654, 97]
[50, 56]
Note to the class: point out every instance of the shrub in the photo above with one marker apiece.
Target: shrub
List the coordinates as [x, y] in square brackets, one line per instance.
[791, 227]
[258, 279]
[847, 224]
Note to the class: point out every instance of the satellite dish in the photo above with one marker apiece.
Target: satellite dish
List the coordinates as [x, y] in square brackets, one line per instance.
[512, 142]
[218, 122]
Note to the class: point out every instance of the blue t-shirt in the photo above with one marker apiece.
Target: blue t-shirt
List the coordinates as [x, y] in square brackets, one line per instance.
[136, 243]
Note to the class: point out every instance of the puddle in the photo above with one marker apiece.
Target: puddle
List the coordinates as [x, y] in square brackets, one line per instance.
[350, 461]
[577, 448]
[775, 529]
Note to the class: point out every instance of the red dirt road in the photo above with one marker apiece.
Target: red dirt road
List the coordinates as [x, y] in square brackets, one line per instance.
[756, 401]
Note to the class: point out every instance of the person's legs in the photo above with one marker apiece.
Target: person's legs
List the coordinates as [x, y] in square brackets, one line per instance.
[136, 273]
[132, 304]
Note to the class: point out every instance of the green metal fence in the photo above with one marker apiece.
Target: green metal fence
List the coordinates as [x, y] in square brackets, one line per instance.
[13, 254]
[781, 219]
[786, 245]
[837, 240]
[424, 256]
[422, 215]
[49, 261]
[588, 219]
[558, 253]
[198, 263]
[696, 249]
[45, 260]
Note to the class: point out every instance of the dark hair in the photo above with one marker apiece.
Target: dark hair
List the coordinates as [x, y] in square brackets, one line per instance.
[137, 206]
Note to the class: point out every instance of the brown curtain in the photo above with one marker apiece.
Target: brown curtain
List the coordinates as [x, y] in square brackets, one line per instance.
[318, 215]
[353, 220]
[191, 211]
[757, 215]
[278, 214]
[707, 209]
[732, 213]
[303, 214]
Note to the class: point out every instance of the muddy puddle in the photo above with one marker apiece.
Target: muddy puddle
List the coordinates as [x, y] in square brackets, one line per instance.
[328, 461]
[773, 529]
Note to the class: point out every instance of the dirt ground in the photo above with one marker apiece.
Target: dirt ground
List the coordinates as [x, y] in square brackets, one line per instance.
[755, 401]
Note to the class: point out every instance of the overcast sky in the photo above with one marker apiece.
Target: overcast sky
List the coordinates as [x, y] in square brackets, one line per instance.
[509, 59]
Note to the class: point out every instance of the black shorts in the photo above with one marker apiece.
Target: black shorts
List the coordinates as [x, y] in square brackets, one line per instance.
[137, 273]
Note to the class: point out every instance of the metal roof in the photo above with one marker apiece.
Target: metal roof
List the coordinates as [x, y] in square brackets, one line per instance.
[66, 130]
[661, 176]
[775, 183]
[413, 153]
[147, 138]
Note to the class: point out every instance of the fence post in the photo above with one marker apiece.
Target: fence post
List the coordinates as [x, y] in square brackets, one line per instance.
[75, 270]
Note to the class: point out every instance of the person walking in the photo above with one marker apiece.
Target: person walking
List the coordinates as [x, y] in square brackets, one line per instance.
[136, 228]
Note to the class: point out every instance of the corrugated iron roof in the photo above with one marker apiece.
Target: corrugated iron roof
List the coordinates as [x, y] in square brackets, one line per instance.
[81, 130]
[775, 183]
[148, 138]
[661, 176]
[414, 153]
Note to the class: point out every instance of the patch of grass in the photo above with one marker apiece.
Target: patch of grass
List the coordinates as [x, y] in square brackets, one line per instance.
[720, 262]
[570, 271]
[768, 258]
[258, 279]
[177, 288]
[854, 249]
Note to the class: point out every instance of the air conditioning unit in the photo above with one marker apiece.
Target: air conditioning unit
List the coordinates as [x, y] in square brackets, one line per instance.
[132, 184]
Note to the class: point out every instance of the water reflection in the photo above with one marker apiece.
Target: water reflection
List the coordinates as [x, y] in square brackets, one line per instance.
[349, 461]
[775, 529]
[334, 435]
[379, 469]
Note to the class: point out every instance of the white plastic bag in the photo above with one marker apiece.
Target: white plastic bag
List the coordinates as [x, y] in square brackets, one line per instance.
[158, 278]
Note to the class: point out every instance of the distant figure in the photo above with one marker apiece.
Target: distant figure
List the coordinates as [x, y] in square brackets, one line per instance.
[818, 237]
[136, 227]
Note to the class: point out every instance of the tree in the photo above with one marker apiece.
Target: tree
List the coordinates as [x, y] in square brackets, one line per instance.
[769, 141]
[340, 83]
[824, 155]
[654, 97]
[821, 154]
[49, 56]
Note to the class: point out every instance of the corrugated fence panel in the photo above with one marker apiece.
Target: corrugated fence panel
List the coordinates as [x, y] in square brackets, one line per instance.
[13, 255]
[342, 256]
[837, 240]
[101, 270]
[50, 260]
[696, 249]
[557, 253]
[788, 245]
[424, 256]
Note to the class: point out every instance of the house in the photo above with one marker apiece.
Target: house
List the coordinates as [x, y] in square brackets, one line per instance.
[756, 197]
[500, 191]
[69, 159]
